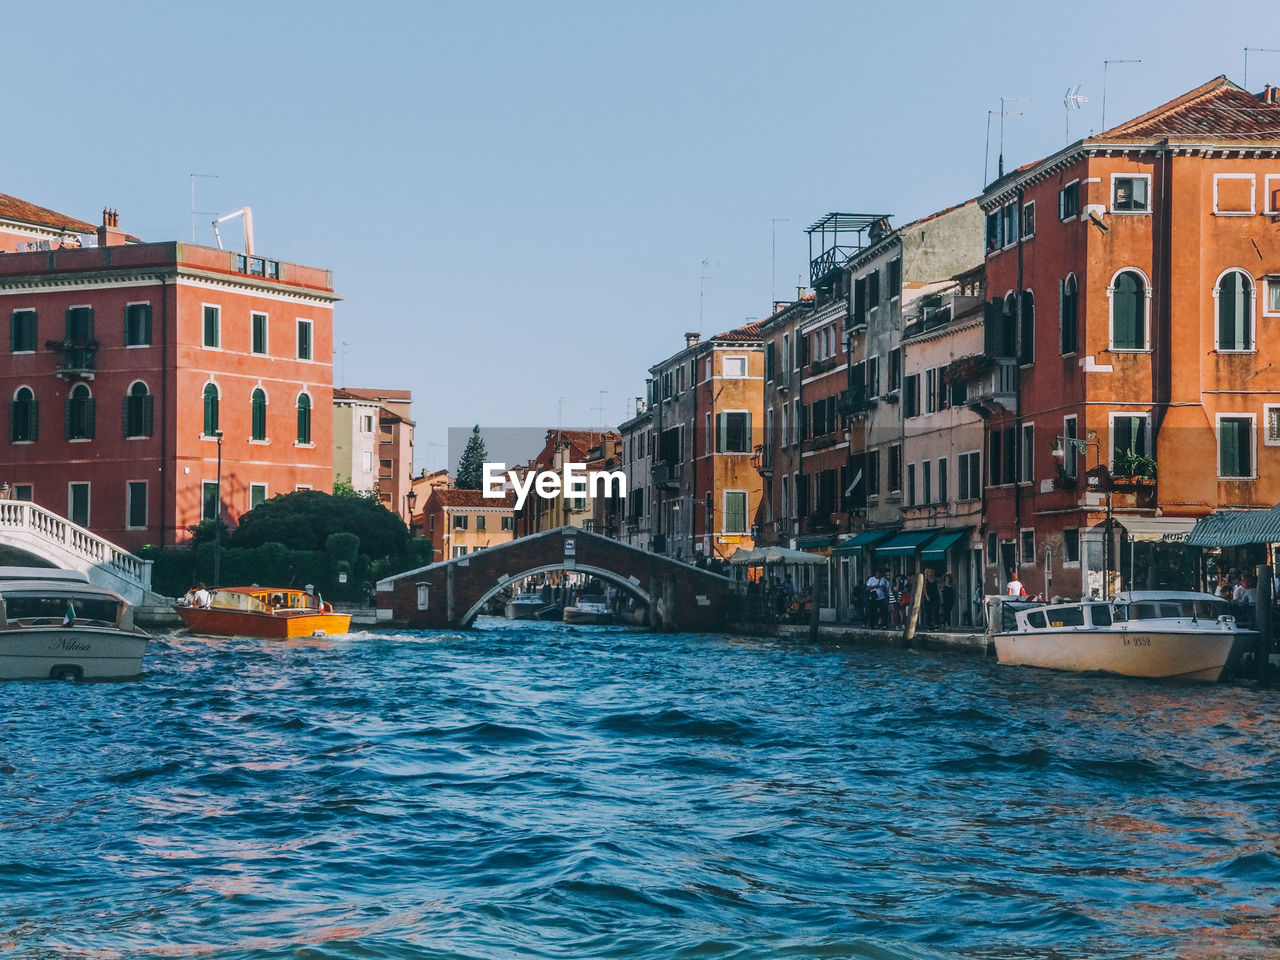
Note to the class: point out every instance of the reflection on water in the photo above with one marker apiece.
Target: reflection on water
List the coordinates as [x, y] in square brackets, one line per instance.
[534, 790]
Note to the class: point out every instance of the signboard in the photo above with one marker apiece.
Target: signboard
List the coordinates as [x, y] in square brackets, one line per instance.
[570, 547]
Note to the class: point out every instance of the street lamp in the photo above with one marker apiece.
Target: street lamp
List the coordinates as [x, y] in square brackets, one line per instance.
[411, 498]
[217, 518]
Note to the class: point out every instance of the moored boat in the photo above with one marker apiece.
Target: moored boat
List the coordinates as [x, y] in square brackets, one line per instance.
[589, 610]
[1159, 634]
[273, 612]
[524, 606]
[54, 624]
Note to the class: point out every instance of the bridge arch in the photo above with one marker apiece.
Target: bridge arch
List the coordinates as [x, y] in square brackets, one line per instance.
[617, 579]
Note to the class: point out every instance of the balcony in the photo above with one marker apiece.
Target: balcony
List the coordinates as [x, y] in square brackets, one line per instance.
[994, 391]
[854, 402]
[782, 382]
[78, 358]
[666, 475]
[762, 460]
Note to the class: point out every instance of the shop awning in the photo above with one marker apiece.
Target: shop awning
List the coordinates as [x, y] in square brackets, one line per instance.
[1236, 528]
[904, 544]
[1158, 529]
[856, 544]
[813, 540]
[938, 547]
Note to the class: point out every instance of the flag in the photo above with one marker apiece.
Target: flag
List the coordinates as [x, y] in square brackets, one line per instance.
[70, 616]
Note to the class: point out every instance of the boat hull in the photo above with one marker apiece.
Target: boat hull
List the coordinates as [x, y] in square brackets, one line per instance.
[574, 615]
[1156, 654]
[82, 653]
[215, 622]
[523, 611]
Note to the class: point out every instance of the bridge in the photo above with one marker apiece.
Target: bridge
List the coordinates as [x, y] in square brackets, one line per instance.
[451, 593]
[31, 536]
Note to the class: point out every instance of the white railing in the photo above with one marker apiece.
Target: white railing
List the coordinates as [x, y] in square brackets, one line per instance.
[91, 550]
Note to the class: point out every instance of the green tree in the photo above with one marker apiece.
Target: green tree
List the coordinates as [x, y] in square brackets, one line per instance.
[471, 463]
[304, 520]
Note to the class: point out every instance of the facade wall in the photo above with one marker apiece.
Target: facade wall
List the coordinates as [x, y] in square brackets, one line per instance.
[355, 444]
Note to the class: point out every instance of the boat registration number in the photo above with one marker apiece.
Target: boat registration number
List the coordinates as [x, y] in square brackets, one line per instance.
[1137, 641]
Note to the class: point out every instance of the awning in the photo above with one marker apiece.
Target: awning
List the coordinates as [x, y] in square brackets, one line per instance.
[772, 555]
[1158, 529]
[937, 549]
[856, 544]
[809, 541]
[1236, 528]
[905, 543]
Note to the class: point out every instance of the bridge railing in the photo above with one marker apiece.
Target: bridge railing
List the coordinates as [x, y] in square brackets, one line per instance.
[23, 515]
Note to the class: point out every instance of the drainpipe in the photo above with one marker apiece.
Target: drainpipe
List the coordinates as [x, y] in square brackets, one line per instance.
[165, 459]
[1017, 396]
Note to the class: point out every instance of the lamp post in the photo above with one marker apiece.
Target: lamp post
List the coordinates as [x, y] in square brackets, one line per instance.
[410, 499]
[217, 518]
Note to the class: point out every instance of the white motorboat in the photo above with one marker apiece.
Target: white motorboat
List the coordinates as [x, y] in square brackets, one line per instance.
[1161, 634]
[524, 606]
[589, 610]
[54, 624]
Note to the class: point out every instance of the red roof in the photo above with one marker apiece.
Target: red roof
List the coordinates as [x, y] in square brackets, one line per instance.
[1215, 111]
[743, 334]
[11, 208]
[453, 497]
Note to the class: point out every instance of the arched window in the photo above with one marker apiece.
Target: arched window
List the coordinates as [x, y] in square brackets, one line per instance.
[23, 417]
[1027, 335]
[304, 418]
[259, 414]
[80, 413]
[139, 408]
[1129, 312]
[210, 410]
[1234, 295]
[1068, 312]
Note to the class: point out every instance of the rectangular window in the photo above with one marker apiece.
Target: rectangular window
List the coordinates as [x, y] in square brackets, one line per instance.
[871, 475]
[1010, 224]
[1233, 194]
[424, 595]
[706, 434]
[1028, 220]
[970, 475]
[257, 494]
[1129, 436]
[1235, 447]
[508, 523]
[911, 396]
[911, 484]
[1129, 194]
[1070, 455]
[366, 461]
[80, 324]
[1271, 412]
[23, 491]
[1028, 546]
[1028, 453]
[259, 322]
[1273, 295]
[459, 551]
[1071, 546]
[735, 367]
[212, 326]
[480, 518]
[926, 482]
[209, 500]
[137, 325]
[994, 452]
[991, 549]
[136, 505]
[78, 503]
[895, 468]
[22, 331]
[873, 289]
[735, 512]
[895, 369]
[304, 339]
[734, 433]
[930, 391]
[1069, 201]
[769, 360]
[895, 278]
[942, 480]
[873, 376]
[459, 521]
[860, 302]
[366, 423]
[1068, 306]
[995, 231]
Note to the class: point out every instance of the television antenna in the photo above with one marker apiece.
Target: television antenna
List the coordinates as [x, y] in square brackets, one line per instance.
[600, 408]
[207, 176]
[773, 273]
[702, 283]
[1072, 100]
[1247, 51]
[1105, 64]
[1004, 113]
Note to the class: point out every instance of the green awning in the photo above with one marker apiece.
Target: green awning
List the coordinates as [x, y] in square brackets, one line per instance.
[937, 550]
[1236, 528]
[905, 543]
[812, 540]
[856, 544]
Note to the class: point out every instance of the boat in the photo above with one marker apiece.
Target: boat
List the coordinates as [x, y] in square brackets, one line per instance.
[591, 609]
[524, 606]
[277, 613]
[1160, 634]
[56, 625]
[551, 612]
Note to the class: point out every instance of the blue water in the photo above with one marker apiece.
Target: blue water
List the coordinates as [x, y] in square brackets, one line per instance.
[534, 790]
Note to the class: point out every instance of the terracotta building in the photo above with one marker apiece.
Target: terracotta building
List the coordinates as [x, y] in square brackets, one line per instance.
[1132, 280]
[460, 522]
[150, 385]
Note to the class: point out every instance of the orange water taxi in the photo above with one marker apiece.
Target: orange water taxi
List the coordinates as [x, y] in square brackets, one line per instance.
[273, 612]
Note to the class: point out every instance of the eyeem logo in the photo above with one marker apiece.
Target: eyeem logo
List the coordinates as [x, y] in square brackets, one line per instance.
[576, 481]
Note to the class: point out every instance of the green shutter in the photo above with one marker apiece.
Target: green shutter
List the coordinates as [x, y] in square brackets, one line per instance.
[722, 427]
[148, 414]
[89, 417]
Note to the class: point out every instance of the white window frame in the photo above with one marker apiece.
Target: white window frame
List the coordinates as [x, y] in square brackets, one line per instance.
[1029, 205]
[1070, 450]
[1266, 425]
[1023, 560]
[1079, 204]
[88, 501]
[1111, 432]
[266, 333]
[31, 309]
[1111, 312]
[143, 346]
[252, 487]
[1253, 194]
[1111, 202]
[146, 504]
[1253, 444]
[1253, 311]
[1273, 285]
[217, 493]
[459, 552]
[217, 307]
[873, 364]
[311, 338]
[1269, 192]
[1011, 214]
[962, 473]
[746, 510]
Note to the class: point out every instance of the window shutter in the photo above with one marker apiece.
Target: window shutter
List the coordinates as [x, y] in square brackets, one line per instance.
[14, 413]
[769, 361]
[33, 420]
[66, 419]
[148, 414]
[146, 324]
[989, 313]
[89, 417]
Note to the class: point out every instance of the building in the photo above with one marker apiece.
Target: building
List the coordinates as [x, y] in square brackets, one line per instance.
[460, 522]
[1131, 278]
[355, 440]
[153, 385]
[562, 447]
[637, 439]
[395, 445]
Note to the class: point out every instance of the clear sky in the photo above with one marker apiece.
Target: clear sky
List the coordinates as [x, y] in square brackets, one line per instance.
[523, 202]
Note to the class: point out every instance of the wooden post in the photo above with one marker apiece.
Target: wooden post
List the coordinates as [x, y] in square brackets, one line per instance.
[909, 633]
[1262, 619]
[819, 583]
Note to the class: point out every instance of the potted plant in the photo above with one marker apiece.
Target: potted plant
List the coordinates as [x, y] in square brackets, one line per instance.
[1134, 469]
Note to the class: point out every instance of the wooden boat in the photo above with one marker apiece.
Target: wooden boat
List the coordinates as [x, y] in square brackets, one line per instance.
[589, 610]
[273, 612]
[1166, 635]
[56, 625]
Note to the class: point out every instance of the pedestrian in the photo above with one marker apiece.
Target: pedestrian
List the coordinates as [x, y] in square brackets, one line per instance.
[877, 598]
[932, 599]
[1015, 587]
[948, 599]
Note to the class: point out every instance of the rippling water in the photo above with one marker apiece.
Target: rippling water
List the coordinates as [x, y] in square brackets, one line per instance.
[533, 790]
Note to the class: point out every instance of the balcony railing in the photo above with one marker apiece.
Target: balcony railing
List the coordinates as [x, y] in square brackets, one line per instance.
[666, 475]
[762, 459]
[78, 358]
[996, 390]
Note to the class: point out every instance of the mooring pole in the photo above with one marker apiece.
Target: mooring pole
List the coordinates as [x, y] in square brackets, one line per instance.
[909, 633]
[1262, 617]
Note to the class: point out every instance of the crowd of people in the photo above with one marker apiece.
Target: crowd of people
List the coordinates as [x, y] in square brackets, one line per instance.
[887, 603]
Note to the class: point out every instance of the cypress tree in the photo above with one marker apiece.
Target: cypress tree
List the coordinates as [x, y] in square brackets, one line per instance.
[471, 463]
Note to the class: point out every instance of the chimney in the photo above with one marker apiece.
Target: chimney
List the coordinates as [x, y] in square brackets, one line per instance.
[691, 339]
[110, 234]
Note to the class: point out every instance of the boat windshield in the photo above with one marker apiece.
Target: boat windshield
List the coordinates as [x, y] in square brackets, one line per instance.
[1200, 608]
[55, 609]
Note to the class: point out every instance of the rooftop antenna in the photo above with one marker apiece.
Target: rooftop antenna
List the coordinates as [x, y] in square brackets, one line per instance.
[1247, 50]
[986, 156]
[1105, 64]
[1072, 100]
[342, 372]
[207, 176]
[434, 447]
[1005, 113]
[773, 273]
[601, 407]
[702, 283]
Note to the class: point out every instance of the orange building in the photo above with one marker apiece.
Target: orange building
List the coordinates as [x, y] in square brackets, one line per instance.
[146, 381]
[460, 522]
[1132, 280]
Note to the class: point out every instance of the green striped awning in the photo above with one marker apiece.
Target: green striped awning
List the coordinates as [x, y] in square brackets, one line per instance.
[905, 543]
[938, 547]
[810, 541]
[1236, 528]
[856, 544]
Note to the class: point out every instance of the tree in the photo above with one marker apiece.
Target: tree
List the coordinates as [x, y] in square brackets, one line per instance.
[304, 519]
[471, 463]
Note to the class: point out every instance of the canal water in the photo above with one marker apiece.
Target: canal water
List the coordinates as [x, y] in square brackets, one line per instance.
[535, 790]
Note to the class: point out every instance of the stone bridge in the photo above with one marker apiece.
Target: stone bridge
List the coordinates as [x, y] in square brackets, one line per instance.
[452, 593]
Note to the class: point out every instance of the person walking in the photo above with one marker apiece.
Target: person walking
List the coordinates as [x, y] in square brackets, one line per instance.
[932, 599]
[877, 598]
[948, 600]
[1015, 587]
